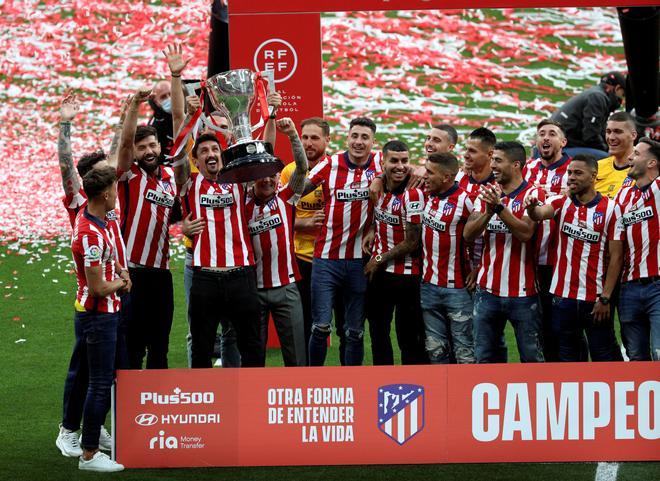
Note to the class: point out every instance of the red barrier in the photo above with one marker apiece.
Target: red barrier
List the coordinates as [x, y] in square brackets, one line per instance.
[388, 415]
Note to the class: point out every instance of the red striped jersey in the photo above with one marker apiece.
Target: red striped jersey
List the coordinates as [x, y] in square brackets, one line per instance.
[443, 247]
[225, 241]
[641, 223]
[471, 185]
[583, 233]
[271, 229]
[508, 265]
[146, 203]
[347, 208]
[74, 203]
[392, 211]
[91, 245]
[552, 179]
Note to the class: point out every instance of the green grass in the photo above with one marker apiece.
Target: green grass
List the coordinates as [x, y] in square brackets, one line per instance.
[33, 308]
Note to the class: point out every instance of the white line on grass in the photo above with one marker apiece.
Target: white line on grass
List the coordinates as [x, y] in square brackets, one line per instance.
[607, 471]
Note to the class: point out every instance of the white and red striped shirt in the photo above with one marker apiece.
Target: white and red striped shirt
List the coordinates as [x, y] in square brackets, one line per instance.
[225, 241]
[271, 229]
[347, 208]
[74, 203]
[443, 246]
[641, 223]
[470, 185]
[392, 211]
[508, 265]
[146, 204]
[552, 179]
[583, 234]
[91, 245]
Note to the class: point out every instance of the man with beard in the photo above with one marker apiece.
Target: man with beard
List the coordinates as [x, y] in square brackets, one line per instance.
[587, 263]
[548, 171]
[75, 201]
[337, 265]
[394, 268]
[315, 136]
[146, 193]
[639, 305]
[270, 214]
[613, 170]
[584, 116]
[506, 283]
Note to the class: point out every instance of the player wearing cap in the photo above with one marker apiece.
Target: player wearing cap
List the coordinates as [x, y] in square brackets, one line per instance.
[506, 283]
[587, 263]
[446, 304]
[337, 265]
[639, 304]
[583, 117]
[394, 267]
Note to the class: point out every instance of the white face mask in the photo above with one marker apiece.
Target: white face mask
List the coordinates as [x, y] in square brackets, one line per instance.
[166, 106]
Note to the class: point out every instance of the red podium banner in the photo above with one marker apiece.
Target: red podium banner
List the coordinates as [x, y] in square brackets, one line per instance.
[388, 415]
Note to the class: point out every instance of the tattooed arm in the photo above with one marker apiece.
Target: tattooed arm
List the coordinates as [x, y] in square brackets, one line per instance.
[114, 146]
[299, 175]
[68, 110]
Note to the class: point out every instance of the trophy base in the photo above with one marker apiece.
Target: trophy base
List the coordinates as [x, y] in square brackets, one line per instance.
[249, 161]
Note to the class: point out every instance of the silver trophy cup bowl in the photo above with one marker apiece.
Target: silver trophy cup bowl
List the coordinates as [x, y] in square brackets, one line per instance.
[232, 93]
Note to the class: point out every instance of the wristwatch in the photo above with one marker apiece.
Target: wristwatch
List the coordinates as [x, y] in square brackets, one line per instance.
[498, 208]
[378, 259]
[604, 300]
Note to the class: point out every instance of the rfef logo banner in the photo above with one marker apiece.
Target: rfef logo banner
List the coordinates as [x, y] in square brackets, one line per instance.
[289, 46]
[388, 415]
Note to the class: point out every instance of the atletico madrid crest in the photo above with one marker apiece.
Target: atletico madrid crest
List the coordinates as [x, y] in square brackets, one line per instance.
[448, 208]
[598, 218]
[401, 411]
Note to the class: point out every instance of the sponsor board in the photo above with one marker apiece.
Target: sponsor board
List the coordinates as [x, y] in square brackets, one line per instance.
[388, 415]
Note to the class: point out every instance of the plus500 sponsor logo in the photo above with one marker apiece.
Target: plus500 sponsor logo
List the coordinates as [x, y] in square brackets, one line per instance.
[177, 397]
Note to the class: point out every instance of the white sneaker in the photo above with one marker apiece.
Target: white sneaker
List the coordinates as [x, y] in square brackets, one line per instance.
[218, 362]
[100, 463]
[105, 440]
[68, 443]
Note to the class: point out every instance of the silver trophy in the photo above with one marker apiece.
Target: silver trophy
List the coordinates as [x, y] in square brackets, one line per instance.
[232, 93]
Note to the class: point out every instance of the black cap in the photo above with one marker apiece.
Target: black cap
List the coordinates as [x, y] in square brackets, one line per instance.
[614, 78]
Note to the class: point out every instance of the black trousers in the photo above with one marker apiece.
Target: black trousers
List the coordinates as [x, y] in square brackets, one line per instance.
[395, 295]
[150, 322]
[230, 299]
[305, 288]
[550, 339]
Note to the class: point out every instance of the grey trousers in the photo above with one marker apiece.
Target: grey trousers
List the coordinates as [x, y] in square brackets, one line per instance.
[285, 305]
